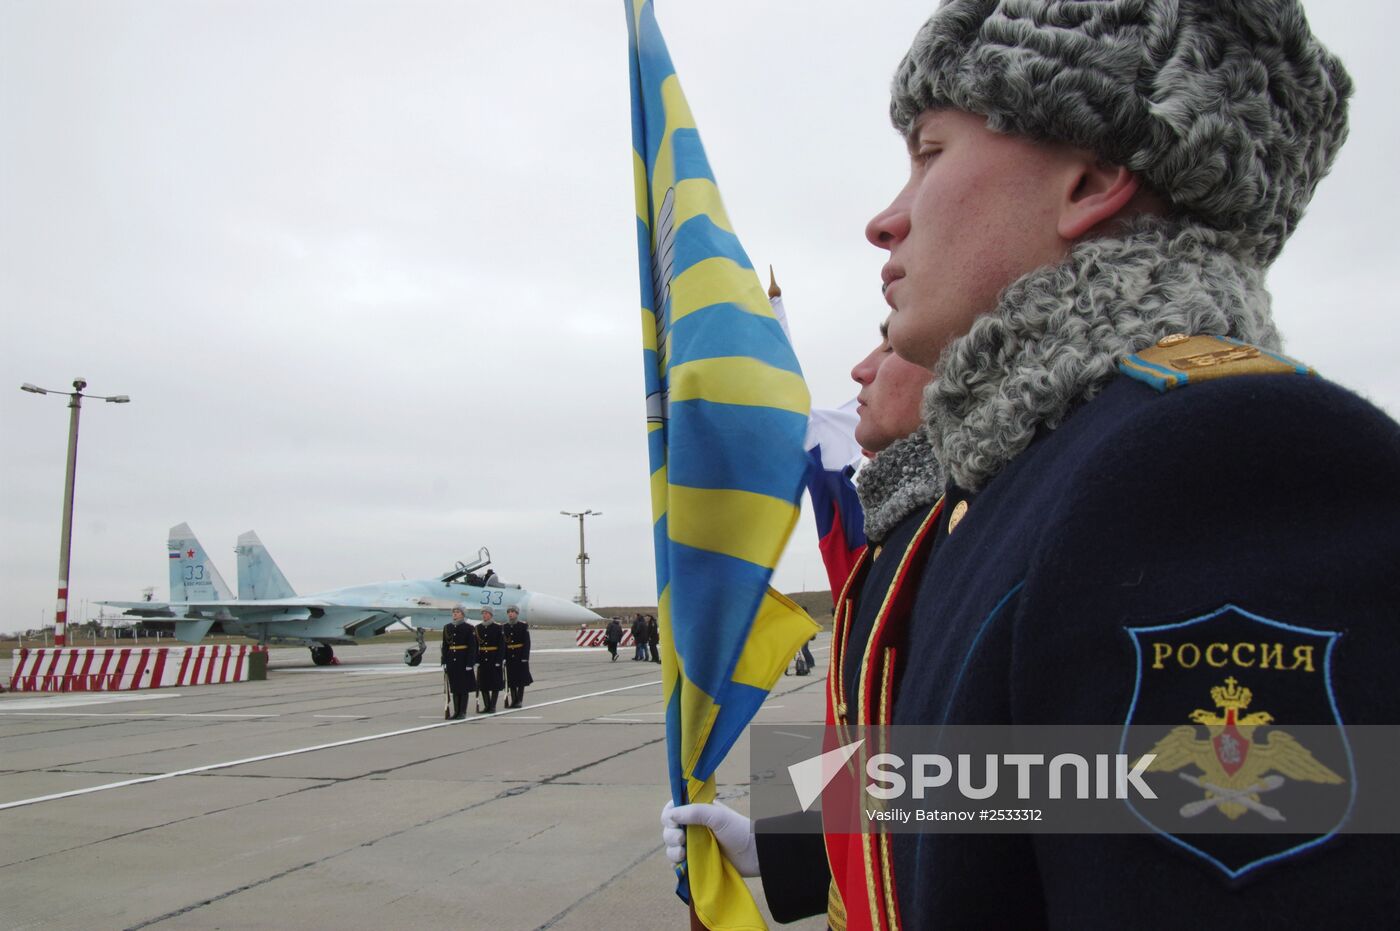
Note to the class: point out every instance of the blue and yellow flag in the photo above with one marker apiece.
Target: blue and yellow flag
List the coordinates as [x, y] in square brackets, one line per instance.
[726, 417]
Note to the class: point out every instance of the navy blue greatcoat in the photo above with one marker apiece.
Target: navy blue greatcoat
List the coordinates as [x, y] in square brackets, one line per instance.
[459, 662]
[516, 636]
[1154, 545]
[490, 657]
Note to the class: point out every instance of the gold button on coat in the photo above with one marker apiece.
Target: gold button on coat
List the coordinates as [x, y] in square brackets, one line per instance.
[959, 512]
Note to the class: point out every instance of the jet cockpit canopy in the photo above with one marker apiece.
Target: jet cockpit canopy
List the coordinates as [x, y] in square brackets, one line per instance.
[465, 573]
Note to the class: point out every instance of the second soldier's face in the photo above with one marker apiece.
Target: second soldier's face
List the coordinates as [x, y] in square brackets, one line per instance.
[890, 398]
[980, 210]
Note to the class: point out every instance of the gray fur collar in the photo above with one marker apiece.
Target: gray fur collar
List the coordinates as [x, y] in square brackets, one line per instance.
[901, 478]
[1055, 339]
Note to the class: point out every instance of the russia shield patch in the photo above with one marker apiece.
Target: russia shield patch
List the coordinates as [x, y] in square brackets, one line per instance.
[1251, 764]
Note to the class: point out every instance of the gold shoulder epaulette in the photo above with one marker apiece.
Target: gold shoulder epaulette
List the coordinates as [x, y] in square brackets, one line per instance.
[1179, 359]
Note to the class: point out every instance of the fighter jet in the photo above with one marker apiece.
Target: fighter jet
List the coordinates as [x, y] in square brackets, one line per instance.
[269, 611]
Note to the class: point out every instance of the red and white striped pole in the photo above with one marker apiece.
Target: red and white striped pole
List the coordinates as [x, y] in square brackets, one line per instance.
[75, 404]
[60, 616]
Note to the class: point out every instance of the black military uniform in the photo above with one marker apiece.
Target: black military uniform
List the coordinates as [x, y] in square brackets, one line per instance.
[517, 642]
[490, 660]
[459, 662]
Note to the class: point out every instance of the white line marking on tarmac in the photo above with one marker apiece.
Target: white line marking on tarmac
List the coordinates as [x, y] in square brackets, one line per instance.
[356, 716]
[623, 720]
[337, 743]
[399, 669]
[126, 714]
[347, 668]
[88, 698]
[519, 717]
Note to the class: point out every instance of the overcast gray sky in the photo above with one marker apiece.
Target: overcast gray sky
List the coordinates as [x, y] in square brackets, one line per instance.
[367, 269]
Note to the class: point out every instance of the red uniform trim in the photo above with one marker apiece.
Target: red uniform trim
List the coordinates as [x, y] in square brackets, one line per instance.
[861, 864]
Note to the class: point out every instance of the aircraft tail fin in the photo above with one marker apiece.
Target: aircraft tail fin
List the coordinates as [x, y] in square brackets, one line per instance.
[192, 631]
[193, 576]
[258, 575]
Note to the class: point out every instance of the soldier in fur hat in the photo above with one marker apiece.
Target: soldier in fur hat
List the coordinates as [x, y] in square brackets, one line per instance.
[490, 660]
[897, 489]
[516, 637]
[459, 661]
[1144, 500]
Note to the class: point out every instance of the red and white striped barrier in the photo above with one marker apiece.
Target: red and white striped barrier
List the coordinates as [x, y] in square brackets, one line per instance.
[598, 638]
[113, 669]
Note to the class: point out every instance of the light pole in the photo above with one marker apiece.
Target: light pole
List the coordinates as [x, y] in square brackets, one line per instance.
[75, 404]
[582, 553]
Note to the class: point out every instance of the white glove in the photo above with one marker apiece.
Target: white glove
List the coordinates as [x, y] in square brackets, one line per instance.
[733, 831]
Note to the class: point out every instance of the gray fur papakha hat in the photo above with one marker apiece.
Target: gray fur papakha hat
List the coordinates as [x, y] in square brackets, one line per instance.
[1230, 109]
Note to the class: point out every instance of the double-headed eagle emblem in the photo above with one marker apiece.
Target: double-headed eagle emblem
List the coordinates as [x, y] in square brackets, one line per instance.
[1235, 770]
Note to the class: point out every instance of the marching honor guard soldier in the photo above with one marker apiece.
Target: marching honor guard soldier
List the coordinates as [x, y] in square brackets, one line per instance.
[459, 661]
[490, 658]
[1148, 509]
[516, 634]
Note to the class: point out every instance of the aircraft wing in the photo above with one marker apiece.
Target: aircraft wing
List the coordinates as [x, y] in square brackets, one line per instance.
[304, 607]
[141, 608]
[382, 604]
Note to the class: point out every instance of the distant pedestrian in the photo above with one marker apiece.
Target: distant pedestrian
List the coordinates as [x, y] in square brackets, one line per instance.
[517, 640]
[802, 663]
[613, 637]
[490, 658]
[458, 660]
[639, 638]
[653, 639]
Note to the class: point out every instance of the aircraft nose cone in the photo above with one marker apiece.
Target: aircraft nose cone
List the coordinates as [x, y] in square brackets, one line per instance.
[546, 609]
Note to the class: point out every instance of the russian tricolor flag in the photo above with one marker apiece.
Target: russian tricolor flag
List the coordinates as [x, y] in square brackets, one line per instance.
[835, 455]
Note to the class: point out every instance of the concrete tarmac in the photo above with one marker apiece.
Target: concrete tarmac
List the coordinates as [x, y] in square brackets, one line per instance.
[338, 797]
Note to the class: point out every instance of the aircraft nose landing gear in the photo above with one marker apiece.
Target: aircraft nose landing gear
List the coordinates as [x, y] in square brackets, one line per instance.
[322, 654]
[414, 655]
